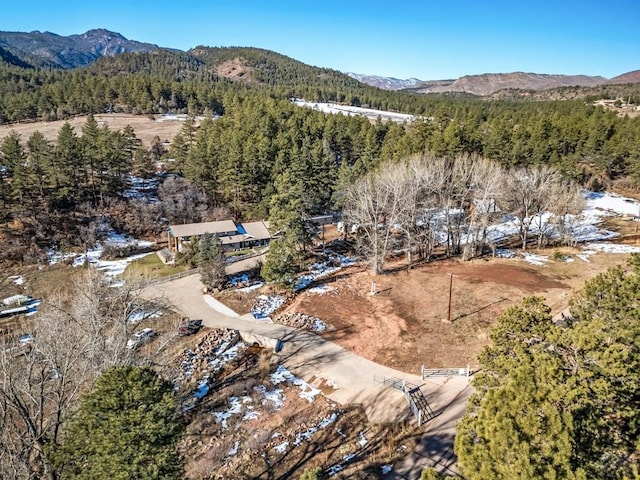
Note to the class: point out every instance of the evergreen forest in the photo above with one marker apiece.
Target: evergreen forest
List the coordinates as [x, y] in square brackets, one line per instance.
[253, 139]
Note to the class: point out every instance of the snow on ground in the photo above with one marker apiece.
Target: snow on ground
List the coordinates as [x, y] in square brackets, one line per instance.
[283, 375]
[301, 321]
[142, 188]
[535, 259]
[318, 326]
[250, 288]
[266, 304]
[233, 450]
[605, 204]
[17, 279]
[334, 262]
[138, 315]
[275, 397]
[281, 448]
[340, 466]
[612, 248]
[245, 282]
[583, 228]
[584, 256]
[310, 432]
[214, 350]
[111, 268]
[386, 469]
[320, 289]
[235, 408]
[349, 110]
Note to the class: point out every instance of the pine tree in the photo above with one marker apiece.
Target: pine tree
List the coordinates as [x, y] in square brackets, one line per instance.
[125, 427]
[560, 402]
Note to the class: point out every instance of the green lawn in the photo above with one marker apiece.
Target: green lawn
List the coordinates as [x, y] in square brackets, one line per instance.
[153, 266]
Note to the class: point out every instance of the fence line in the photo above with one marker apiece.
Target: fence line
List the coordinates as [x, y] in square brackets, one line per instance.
[174, 276]
[444, 372]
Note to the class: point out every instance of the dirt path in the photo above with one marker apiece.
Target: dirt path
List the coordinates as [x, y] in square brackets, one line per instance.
[349, 376]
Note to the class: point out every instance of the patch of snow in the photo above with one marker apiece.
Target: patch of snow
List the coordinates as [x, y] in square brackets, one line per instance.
[276, 397]
[349, 110]
[321, 289]
[281, 448]
[250, 288]
[613, 248]
[339, 467]
[233, 450]
[386, 469]
[362, 439]
[505, 253]
[17, 279]
[318, 326]
[335, 470]
[535, 259]
[251, 414]
[584, 256]
[349, 456]
[326, 421]
[283, 375]
[235, 407]
[319, 270]
[139, 315]
[307, 434]
[266, 305]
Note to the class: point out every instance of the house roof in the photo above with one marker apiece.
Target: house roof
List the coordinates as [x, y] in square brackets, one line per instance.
[190, 229]
[256, 231]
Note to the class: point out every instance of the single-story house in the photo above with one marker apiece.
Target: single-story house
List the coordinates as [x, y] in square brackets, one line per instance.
[232, 235]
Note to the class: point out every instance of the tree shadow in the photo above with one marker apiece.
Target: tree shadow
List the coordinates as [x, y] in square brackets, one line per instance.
[480, 309]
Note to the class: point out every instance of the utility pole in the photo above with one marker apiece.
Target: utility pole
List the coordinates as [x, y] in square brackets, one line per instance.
[450, 290]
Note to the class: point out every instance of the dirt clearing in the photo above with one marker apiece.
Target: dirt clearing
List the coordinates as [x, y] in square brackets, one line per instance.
[405, 324]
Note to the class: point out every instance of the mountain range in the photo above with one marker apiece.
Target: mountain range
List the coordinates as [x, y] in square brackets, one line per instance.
[489, 83]
[49, 50]
[46, 49]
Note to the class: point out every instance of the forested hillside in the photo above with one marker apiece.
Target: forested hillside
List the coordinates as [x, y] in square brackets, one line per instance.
[260, 140]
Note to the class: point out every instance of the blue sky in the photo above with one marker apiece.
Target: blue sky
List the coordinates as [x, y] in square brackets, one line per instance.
[425, 39]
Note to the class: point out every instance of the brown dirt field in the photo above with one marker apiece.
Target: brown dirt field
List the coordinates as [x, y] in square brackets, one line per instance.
[146, 128]
[405, 324]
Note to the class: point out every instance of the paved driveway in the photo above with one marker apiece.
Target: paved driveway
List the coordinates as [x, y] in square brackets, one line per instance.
[311, 357]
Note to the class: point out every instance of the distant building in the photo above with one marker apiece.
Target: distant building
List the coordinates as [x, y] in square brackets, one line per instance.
[232, 235]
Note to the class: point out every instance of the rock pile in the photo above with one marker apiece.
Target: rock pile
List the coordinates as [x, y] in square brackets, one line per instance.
[211, 345]
[301, 321]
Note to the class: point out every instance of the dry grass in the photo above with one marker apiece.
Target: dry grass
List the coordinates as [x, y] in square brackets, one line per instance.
[145, 127]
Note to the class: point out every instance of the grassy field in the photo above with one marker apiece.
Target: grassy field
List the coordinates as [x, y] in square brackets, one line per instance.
[152, 266]
[145, 127]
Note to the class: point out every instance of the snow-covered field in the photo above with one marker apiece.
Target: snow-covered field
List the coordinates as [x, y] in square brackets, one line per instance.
[584, 228]
[111, 268]
[369, 113]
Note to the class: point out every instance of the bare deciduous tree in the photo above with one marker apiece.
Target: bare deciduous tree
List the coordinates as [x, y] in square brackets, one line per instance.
[367, 205]
[429, 201]
[77, 335]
